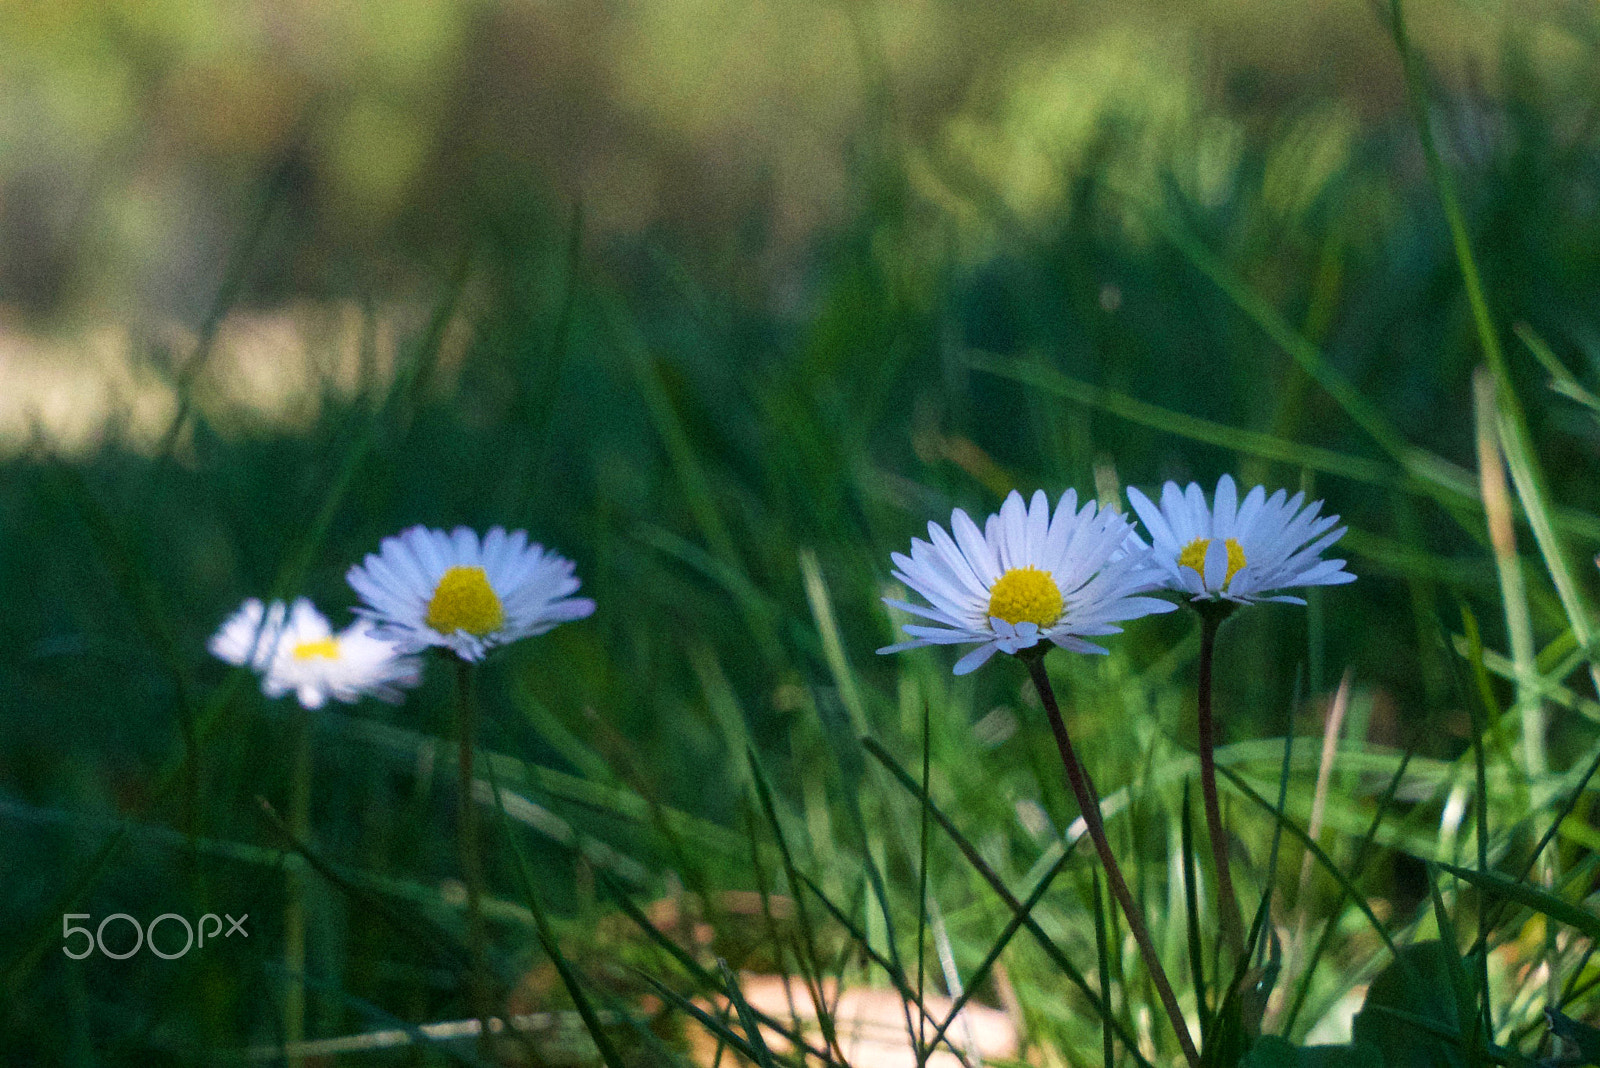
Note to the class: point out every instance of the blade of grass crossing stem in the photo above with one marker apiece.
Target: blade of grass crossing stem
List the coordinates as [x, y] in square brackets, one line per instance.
[376, 1015]
[1357, 866]
[1191, 901]
[810, 960]
[891, 969]
[1351, 894]
[747, 1019]
[547, 937]
[295, 885]
[1015, 924]
[694, 968]
[1108, 1049]
[1044, 941]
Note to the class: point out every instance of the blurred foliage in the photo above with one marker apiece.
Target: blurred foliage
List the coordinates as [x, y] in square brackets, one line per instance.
[698, 293]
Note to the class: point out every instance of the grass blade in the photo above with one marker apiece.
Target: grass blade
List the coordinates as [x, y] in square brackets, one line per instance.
[1540, 901]
[547, 937]
[1045, 942]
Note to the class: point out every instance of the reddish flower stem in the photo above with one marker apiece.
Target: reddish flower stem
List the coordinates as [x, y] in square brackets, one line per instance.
[1089, 804]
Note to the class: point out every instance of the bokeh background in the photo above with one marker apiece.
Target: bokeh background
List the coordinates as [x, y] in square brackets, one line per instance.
[725, 299]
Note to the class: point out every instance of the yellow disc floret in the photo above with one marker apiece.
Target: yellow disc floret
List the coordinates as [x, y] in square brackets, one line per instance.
[1194, 555]
[1026, 595]
[326, 648]
[464, 600]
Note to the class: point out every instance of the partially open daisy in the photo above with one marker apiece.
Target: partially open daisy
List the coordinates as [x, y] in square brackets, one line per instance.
[429, 588]
[294, 650]
[1026, 578]
[1240, 551]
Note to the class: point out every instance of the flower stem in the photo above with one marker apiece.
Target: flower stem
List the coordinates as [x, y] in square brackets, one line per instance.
[294, 879]
[1227, 901]
[468, 852]
[1089, 804]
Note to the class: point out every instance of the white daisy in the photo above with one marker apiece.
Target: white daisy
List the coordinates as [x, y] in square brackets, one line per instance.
[428, 588]
[1025, 578]
[294, 649]
[1240, 551]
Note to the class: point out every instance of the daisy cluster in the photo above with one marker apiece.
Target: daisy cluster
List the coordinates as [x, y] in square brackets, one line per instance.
[1030, 575]
[423, 589]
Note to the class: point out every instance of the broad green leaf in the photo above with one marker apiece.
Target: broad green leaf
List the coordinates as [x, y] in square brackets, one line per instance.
[1272, 1051]
[1410, 1007]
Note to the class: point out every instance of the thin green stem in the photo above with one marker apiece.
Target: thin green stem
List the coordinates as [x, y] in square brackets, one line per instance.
[1227, 900]
[1089, 804]
[294, 886]
[469, 853]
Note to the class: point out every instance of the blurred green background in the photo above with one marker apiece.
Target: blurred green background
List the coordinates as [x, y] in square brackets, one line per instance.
[725, 299]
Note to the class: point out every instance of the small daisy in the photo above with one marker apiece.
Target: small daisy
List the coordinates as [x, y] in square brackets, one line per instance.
[293, 649]
[428, 588]
[1025, 578]
[1239, 551]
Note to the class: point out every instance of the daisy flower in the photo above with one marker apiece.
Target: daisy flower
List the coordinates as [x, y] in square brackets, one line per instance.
[1239, 551]
[294, 650]
[1026, 577]
[427, 588]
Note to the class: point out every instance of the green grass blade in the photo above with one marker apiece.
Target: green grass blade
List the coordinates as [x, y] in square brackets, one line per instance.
[1108, 1050]
[810, 960]
[747, 1019]
[696, 971]
[1351, 894]
[1191, 901]
[993, 955]
[1540, 901]
[1044, 941]
[1465, 1009]
[891, 968]
[547, 937]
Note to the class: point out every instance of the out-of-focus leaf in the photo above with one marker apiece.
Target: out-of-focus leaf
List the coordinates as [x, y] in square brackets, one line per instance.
[1408, 1011]
[1273, 1051]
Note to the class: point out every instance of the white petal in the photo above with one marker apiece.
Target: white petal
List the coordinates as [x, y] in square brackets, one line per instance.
[974, 548]
[975, 659]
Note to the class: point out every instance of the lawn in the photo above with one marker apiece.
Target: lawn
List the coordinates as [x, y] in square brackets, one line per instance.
[709, 823]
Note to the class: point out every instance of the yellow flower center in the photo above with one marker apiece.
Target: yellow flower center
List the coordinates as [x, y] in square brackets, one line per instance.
[326, 648]
[1194, 555]
[1026, 595]
[464, 600]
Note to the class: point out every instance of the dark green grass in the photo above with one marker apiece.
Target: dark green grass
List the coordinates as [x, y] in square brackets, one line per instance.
[730, 484]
